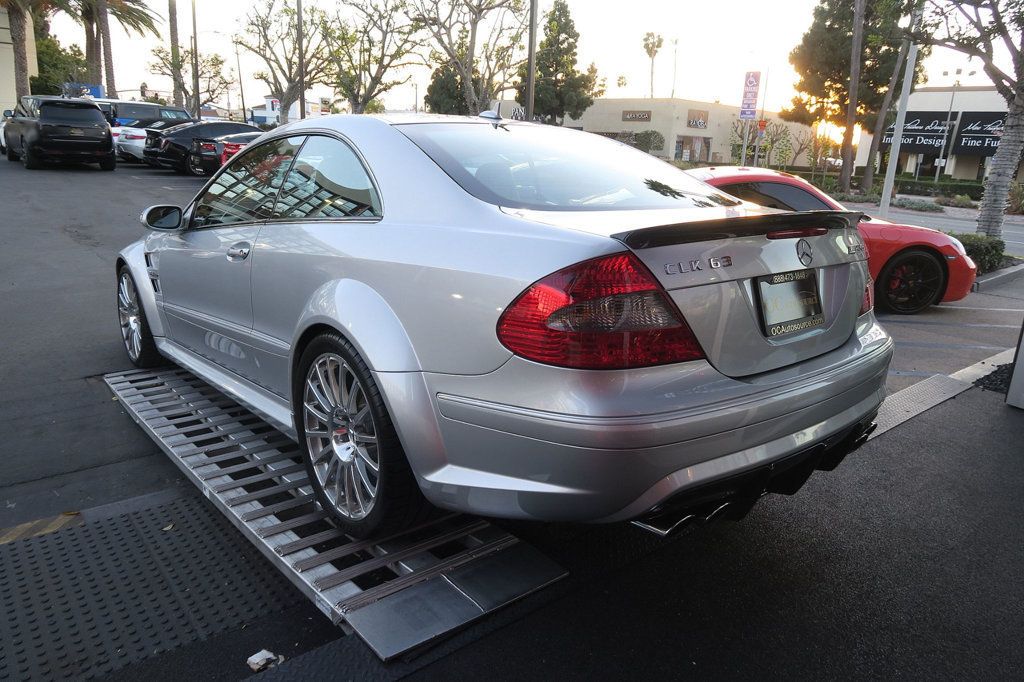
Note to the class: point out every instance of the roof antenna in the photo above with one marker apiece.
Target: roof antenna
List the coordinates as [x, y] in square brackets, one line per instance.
[493, 116]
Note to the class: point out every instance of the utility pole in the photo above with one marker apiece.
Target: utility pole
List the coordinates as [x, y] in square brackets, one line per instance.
[675, 65]
[760, 133]
[416, 102]
[195, 64]
[746, 126]
[302, 59]
[531, 62]
[241, 89]
[901, 116]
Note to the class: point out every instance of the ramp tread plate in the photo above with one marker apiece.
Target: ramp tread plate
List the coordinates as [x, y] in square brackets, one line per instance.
[366, 583]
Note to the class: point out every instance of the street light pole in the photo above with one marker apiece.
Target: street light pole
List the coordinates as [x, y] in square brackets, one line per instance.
[302, 59]
[901, 116]
[531, 62]
[943, 153]
[195, 64]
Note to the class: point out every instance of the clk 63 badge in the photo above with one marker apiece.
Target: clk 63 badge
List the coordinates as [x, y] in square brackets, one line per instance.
[685, 266]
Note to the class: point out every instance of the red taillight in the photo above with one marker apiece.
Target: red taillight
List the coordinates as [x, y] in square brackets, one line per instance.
[131, 136]
[229, 150]
[869, 298]
[605, 313]
[114, 133]
[207, 147]
[795, 234]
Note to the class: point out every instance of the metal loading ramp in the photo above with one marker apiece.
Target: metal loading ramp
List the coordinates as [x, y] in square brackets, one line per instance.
[397, 593]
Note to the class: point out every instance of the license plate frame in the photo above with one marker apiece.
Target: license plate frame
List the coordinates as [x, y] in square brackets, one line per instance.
[789, 303]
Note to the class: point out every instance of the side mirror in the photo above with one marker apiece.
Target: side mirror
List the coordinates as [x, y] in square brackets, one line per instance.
[8, 113]
[166, 218]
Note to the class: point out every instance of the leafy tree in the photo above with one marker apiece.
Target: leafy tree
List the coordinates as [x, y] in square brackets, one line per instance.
[822, 62]
[803, 139]
[154, 98]
[776, 136]
[560, 88]
[445, 94]
[213, 82]
[376, 40]
[980, 29]
[480, 39]
[271, 34]
[94, 15]
[57, 66]
[783, 150]
[652, 43]
[374, 106]
[17, 13]
[649, 141]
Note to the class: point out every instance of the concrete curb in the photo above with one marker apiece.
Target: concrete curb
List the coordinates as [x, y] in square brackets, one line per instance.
[998, 278]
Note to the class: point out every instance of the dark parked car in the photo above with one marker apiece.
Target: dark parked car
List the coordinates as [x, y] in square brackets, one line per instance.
[207, 155]
[57, 129]
[170, 148]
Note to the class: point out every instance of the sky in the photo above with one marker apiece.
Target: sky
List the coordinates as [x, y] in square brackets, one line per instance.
[718, 41]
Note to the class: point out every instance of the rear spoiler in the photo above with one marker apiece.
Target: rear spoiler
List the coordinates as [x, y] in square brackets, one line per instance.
[745, 226]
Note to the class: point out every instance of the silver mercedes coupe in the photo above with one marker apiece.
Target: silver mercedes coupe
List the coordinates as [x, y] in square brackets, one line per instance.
[512, 320]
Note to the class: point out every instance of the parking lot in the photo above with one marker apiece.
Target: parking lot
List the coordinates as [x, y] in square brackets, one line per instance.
[904, 562]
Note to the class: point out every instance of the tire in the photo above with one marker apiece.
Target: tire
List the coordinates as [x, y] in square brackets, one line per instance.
[343, 432]
[11, 156]
[911, 281]
[135, 332]
[192, 168]
[109, 164]
[28, 159]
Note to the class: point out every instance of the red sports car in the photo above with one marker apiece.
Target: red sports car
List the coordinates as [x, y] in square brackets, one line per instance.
[913, 267]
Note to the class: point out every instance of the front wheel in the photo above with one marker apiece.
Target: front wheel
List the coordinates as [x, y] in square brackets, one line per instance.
[11, 155]
[356, 465]
[911, 281]
[28, 159]
[135, 332]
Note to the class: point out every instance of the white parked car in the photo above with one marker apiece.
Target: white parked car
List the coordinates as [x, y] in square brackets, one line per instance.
[130, 139]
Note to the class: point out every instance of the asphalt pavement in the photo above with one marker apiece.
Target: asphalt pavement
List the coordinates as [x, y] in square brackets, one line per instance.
[904, 562]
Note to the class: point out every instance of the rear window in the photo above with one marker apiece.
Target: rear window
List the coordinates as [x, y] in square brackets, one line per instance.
[554, 169]
[65, 112]
[133, 110]
[175, 115]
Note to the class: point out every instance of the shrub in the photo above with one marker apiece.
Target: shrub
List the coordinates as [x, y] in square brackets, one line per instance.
[915, 205]
[930, 188]
[956, 201]
[1016, 203]
[985, 251]
[858, 198]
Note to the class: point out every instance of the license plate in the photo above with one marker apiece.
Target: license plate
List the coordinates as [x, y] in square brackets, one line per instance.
[76, 131]
[789, 302]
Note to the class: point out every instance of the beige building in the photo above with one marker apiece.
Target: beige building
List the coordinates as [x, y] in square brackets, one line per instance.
[8, 98]
[693, 131]
[961, 148]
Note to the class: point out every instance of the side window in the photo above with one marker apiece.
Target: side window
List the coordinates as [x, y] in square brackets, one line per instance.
[781, 195]
[327, 181]
[246, 190]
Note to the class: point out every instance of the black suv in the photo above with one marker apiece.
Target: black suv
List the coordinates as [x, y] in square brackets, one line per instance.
[170, 148]
[57, 129]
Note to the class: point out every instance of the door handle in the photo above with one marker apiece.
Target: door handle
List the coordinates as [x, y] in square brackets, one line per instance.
[239, 251]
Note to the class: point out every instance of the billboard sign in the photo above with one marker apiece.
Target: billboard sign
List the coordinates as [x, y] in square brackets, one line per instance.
[751, 88]
[979, 133]
[923, 131]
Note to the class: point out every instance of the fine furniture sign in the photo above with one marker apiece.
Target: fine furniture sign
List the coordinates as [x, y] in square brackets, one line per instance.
[636, 116]
[979, 133]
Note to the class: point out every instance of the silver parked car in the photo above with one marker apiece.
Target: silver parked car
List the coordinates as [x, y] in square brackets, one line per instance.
[512, 320]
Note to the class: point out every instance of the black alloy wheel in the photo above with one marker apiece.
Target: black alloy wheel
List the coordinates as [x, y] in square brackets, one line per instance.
[910, 282]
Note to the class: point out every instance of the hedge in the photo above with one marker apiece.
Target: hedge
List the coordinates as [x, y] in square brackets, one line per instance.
[985, 251]
[929, 188]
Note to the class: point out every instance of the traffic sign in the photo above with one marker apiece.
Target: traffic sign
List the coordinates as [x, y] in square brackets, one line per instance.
[748, 103]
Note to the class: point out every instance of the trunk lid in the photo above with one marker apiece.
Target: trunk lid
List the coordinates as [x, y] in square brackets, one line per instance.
[760, 289]
[61, 121]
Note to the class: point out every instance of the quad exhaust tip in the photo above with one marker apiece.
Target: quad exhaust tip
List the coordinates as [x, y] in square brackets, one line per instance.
[734, 497]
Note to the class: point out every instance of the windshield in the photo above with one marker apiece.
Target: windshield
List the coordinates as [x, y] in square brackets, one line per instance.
[64, 112]
[553, 169]
[175, 115]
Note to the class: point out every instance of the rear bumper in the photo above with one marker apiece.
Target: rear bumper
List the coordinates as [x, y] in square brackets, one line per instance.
[83, 152]
[130, 152]
[962, 273]
[513, 461]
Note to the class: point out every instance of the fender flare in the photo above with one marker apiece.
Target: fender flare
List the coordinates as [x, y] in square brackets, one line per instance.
[134, 256]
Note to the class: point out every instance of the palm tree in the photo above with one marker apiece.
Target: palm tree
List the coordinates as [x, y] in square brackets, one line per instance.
[94, 15]
[17, 11]
[652, 43]
[172, 20]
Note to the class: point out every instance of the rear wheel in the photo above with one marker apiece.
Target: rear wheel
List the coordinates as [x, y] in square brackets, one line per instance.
[193, 167]
[135, 332]
[108, 164]
[356, 465]
[28, 159]
[911, 281]
[11, 156]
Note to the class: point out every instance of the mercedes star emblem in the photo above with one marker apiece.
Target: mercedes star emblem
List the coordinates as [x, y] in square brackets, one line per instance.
[804, 252]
